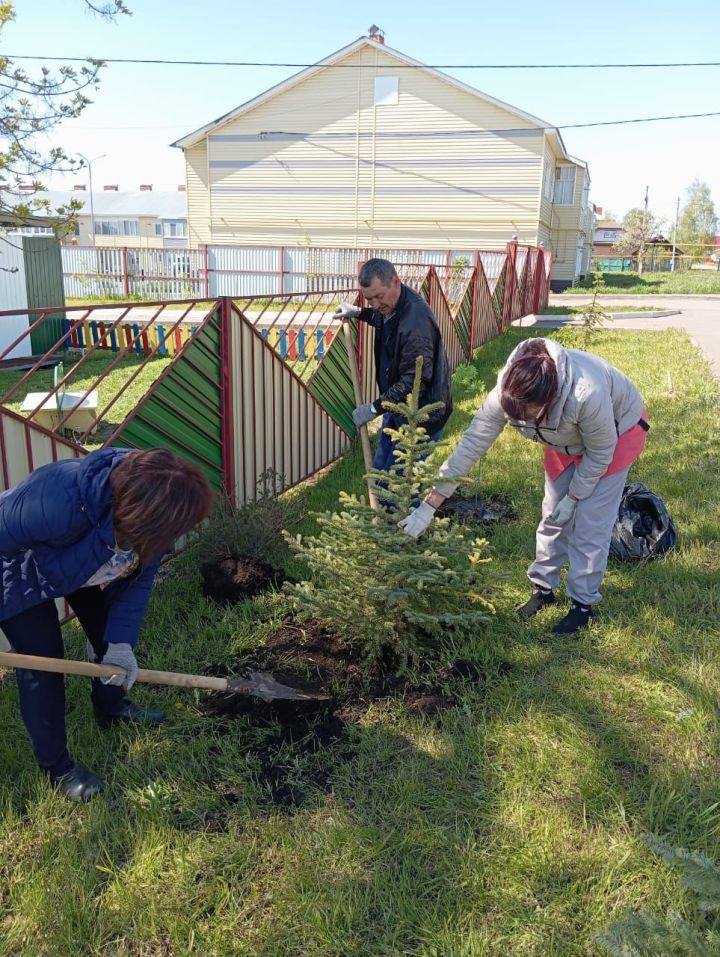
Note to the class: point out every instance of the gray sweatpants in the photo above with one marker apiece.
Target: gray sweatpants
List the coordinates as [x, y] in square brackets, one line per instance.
[584, 542]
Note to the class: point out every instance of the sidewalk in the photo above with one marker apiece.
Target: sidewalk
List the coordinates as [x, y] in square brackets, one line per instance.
[699, 316]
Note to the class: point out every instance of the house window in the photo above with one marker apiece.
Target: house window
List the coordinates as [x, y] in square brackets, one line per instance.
[158, 229]
[609, 234]
[548, 181]
[35, 230]
[564, 185]
[116, 227]
[387, 90]
[174, 229]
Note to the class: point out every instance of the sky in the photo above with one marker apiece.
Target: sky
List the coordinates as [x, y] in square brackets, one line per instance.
[138, 110]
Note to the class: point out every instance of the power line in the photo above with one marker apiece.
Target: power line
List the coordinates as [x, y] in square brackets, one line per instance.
[396, 66]
[509, 131]
[644, 119]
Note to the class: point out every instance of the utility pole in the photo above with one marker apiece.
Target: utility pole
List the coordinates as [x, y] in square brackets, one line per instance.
[88, 163]
[675, 232]
[643, 239]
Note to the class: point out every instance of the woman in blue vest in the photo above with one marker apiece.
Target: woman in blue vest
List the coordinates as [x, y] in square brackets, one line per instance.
[91, 530]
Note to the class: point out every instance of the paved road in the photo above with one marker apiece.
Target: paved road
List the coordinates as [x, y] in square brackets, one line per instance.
[699, 317]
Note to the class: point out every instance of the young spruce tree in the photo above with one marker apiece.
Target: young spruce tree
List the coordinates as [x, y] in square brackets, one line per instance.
[373, 584]
[643, 934]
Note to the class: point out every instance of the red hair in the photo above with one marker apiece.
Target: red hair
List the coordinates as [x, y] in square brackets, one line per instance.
[157, 497]
[530, 381]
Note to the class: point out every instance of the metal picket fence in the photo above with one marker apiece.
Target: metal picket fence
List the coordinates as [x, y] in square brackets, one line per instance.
[249, 384]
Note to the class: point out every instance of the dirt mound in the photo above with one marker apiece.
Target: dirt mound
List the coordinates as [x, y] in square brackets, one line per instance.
[233, 578]
[316, 736]
[492, 510]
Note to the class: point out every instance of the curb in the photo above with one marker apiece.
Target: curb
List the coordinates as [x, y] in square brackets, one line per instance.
[571, 319]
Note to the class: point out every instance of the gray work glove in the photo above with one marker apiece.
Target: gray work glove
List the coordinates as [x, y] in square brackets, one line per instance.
[364, 414]
[346, 311]
[563, 511]
[418, 520]
[121, 654]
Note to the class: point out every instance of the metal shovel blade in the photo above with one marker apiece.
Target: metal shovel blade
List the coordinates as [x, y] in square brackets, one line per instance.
[262, 685]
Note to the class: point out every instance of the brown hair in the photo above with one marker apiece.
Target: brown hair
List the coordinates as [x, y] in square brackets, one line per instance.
[531, 380]
[156, 497]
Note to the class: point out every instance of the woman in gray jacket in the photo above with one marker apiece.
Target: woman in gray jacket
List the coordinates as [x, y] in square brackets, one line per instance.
[593, 425]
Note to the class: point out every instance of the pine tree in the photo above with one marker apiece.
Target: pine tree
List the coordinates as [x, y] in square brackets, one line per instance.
[593, 315]
[377, 587]
[649, 935]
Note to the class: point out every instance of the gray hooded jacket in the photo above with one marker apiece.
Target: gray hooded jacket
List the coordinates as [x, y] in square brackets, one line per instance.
[596, 404]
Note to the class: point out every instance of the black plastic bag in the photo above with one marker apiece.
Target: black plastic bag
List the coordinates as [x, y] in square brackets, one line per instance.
[643, 528]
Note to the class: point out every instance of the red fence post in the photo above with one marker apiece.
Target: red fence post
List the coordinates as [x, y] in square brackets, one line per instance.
[539, 276]
[510, 281]
[126, 276]
[226, 399]
[476, 293]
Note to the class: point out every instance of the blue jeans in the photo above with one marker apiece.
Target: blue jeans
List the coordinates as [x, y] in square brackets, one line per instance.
[385, 458]
[36, 631]
[385, 451]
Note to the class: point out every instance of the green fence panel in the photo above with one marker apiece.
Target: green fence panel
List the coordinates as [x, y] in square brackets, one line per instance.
[183, 410]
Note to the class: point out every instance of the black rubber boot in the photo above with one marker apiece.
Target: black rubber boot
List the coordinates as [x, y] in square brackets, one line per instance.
[129, 711]
[78, 784]
[578, 617]
[538, 600]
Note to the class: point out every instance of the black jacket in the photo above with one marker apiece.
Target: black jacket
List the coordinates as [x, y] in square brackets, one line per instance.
[416, 333]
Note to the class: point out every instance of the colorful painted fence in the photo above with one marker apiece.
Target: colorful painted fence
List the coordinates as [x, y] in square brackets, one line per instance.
[251, 384]
[164, 338]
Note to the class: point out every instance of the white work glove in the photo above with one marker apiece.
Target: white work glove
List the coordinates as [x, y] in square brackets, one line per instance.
[346, 311]
[364, 414]
[123, 655]
[563, 511]
[418, 520]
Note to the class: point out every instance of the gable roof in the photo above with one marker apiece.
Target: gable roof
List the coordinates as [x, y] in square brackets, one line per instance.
[195, 137]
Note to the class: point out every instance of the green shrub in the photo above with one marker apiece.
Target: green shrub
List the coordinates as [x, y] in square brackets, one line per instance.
[255, 530]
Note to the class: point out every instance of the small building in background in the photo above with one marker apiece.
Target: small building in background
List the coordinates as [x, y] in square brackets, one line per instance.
[139, 218]
[604, 255]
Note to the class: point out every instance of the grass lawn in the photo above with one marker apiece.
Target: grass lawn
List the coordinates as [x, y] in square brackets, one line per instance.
[567, 310]
[506, 827]
[42, 381]
[689, 282]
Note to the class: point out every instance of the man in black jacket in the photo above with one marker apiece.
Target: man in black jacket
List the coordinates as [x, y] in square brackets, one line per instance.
[405, 328]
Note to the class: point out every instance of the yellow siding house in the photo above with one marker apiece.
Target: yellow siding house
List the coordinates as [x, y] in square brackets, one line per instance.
[369, 148]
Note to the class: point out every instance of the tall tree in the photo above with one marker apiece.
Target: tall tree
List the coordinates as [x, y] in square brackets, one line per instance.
[640, 227]
[31, 106]
[696, 227]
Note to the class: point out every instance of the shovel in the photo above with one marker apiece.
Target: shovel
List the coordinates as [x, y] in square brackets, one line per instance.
[362, 431]
[259, 684]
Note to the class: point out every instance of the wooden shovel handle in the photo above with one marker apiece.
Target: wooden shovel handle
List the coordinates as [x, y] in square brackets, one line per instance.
[66, 666]
[362, 430]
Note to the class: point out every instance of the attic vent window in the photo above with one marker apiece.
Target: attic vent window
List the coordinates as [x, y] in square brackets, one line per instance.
[387, 90]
